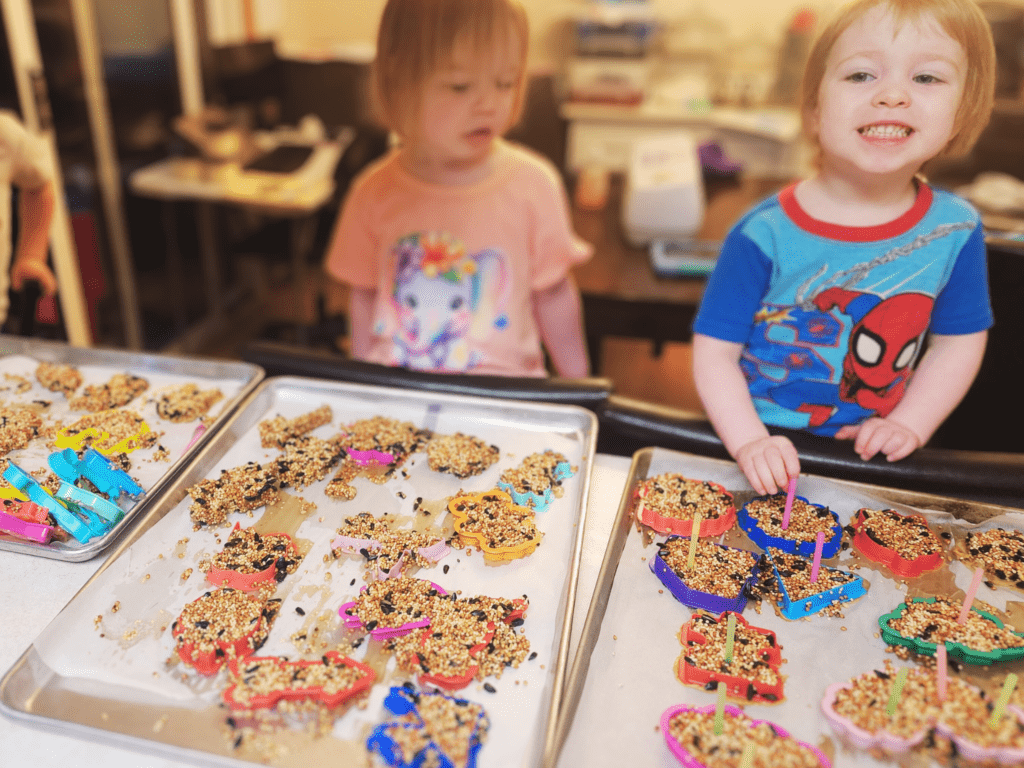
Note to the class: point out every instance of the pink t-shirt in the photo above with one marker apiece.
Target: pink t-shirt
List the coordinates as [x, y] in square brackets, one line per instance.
[454, 267]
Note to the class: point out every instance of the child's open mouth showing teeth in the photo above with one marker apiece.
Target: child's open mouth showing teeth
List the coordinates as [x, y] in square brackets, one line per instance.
[886, 131]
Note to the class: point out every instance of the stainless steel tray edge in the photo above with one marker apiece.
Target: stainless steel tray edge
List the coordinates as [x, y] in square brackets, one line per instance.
[199, 465]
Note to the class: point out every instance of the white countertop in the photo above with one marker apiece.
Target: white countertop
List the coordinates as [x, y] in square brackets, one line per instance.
[33, 590]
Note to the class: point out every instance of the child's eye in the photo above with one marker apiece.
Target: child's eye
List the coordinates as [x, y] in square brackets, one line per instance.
[459, 87]
[859, 77]
[926, 79]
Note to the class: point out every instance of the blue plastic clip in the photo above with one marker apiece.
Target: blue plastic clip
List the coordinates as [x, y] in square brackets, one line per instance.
[82, 529]
[110, 479]
[83, 499]
[65, 465]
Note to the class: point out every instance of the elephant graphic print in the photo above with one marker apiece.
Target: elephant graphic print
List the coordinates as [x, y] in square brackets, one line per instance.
[445, 301]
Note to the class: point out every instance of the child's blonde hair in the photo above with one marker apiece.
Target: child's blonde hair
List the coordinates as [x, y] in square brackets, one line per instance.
[416, 38]
[962, 20]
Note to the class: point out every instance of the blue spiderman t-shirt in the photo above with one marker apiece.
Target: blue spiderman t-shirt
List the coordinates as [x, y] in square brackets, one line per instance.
[833, 318]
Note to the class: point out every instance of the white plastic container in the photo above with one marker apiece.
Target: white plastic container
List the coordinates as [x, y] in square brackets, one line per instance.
[664, 192]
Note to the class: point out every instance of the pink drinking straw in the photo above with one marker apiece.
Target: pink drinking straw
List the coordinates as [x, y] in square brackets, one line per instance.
[972, 590]
[790, 493]
[941, 670]
[818, 546]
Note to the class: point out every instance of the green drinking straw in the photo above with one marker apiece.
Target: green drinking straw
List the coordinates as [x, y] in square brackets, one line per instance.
[720, 709]
[730, 636]
[1004, 697]
[747, 761]
[897, 691]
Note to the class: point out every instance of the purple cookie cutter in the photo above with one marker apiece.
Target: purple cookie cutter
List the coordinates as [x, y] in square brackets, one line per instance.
[689, 761]
[383, 633]
[432, 553]
[695, 598]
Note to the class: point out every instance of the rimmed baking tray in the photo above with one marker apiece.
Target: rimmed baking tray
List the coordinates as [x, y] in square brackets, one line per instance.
[623, 676]
[19, 358]
[103, 674]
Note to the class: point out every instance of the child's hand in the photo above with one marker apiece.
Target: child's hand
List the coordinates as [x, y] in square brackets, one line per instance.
[879, 435]
[769, 463]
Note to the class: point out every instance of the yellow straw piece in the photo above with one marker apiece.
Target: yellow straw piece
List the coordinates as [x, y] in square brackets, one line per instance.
[897, 691]
[747, 761]
[720, 709]
[694, 536]
[1004, 697]
[730, 636]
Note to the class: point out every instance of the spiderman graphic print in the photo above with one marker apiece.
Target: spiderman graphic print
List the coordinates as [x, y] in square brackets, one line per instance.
[833, 319]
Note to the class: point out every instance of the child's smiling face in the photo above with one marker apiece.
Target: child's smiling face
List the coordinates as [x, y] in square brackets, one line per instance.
[465, 106]
[889, 96]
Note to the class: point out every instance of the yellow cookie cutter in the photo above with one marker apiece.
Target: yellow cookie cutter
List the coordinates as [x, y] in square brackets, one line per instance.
[500, 553]
[10, 492]
[74, 440]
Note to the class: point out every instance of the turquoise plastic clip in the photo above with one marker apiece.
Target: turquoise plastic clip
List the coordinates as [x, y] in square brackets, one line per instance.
[65, 465]
[82, 529]
[110, 479]
[83, 499]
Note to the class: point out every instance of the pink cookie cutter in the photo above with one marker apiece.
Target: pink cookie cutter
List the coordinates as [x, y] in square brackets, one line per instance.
[352, 621]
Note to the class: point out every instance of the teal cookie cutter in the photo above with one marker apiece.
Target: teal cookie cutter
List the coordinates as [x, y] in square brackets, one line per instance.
[538, 502]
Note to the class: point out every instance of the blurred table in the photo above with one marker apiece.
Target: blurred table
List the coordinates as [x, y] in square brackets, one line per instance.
[294, 194]
[622, 295]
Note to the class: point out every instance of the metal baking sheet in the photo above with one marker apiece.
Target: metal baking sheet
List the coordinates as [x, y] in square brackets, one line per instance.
[19, 358]
[105, 675]
[623, 676]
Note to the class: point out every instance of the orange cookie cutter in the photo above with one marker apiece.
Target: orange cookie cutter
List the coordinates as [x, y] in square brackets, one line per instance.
[501, 553]
[296, 693]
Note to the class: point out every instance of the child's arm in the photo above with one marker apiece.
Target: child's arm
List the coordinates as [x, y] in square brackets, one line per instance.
[943, 377]
[559, 315]
[767, 461]
[360, 310]
[35, 212]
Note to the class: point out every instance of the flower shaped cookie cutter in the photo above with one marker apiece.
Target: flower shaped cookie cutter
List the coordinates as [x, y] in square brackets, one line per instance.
[709, 527]
[887, 742]
[296, 671]
[404, 702]
[459, 509]
[538, 502]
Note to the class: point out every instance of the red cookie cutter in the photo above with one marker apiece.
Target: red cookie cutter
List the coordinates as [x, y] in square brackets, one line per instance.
[711, 526]
[249, 582]
[210, 662]
[879, 553]
[241, 667]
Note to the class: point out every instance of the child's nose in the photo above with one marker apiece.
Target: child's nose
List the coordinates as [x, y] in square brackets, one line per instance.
[891, 95]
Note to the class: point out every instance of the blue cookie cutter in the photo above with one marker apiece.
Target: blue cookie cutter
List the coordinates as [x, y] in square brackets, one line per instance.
[750, 526]
[96, 468]
[805, 606]
[81, 523]
[404, 700]
[538, 502]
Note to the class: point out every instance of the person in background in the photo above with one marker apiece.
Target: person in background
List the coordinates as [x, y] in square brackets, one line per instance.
[23, 163]
[457, 244]
[820, 304]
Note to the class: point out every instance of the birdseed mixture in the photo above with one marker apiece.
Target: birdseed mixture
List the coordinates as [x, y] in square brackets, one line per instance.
[865, 702]
[805, 520]
[186, 403]
[275, 432]
[379, 433]
[307, 460]
[937, 623]
[536, 474]
[795, 572]
[393, 603]
[120, 390]
[750, 651]
[717, 570]
[59, 378]
[266, 676]
[218, 620]
[247, 551]
[118, 424]
[389, 547]
[907, 535]
[1000, 552]
[460, 455]
[241, 489]
[672, 495]
[18, 427]
[695, 732]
